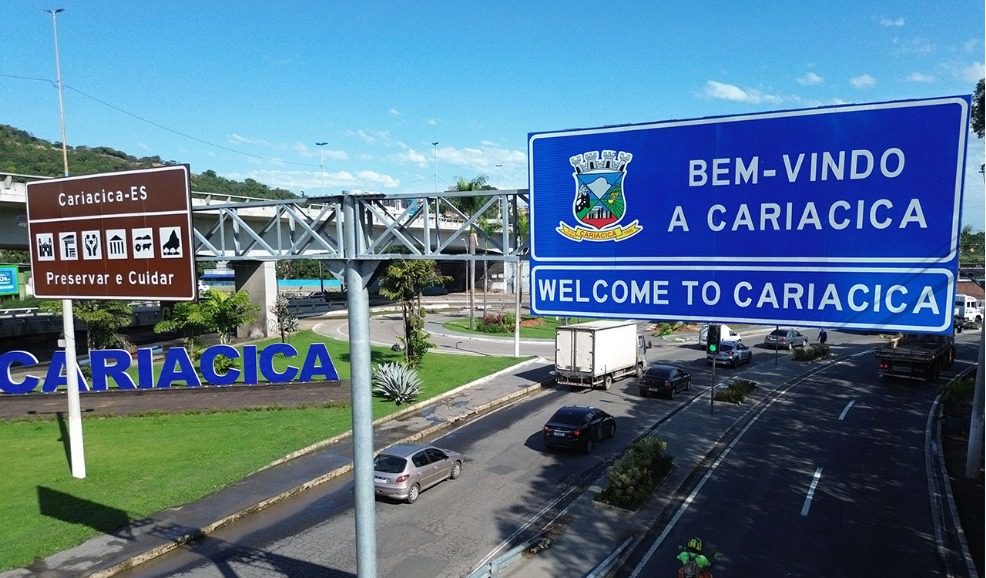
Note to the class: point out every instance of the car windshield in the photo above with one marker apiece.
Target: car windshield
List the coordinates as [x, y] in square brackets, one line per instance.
[726, 347]
[659, 372]
[389, 464]
[568, 417]
[779, 333]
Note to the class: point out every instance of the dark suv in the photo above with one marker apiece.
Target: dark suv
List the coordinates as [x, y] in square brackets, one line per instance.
[578, 426]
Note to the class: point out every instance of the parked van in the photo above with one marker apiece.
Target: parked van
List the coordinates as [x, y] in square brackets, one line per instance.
[725, 334]
[968, 309]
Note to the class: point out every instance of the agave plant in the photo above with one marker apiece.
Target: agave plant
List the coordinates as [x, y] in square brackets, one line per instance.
[396, 382]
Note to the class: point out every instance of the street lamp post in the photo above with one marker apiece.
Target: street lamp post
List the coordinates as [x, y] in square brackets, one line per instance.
[321, 166]
[435, 162]
[76, 448]
[321, 177]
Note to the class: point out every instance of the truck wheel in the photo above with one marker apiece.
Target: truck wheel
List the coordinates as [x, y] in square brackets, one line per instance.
[608, 382]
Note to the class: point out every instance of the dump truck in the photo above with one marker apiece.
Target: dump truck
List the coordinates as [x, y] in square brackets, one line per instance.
[597, 353]
[916, 356]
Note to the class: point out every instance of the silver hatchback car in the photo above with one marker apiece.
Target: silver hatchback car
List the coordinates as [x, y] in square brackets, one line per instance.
[403, 471]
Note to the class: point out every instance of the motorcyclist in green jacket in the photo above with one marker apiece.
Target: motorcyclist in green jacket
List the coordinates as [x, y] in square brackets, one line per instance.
[694, 564]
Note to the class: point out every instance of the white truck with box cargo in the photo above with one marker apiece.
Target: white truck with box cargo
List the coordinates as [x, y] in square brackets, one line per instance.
[597, 353]
[967, 310]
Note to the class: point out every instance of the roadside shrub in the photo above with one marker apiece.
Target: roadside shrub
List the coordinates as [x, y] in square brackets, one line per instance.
[633, 477]
[736, 392]
[667, 328]
[497, 323]
[222, 364]
[811, 352]
[396, 382]
[959, 389]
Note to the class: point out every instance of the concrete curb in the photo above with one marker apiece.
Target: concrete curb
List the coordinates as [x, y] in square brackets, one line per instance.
[197, 533]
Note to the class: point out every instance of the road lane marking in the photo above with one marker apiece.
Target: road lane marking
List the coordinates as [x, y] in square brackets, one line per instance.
[842, 415]
[811, 491]
[645, 559]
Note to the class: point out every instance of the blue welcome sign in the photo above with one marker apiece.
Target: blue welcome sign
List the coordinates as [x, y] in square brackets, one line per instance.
[867, 194]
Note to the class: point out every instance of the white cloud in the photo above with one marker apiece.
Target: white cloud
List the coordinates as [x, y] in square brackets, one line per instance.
[370, 137]
[914, 46]
[378, 179]
[892, 22]
[316, 152]
[731, 92]
[862, 81]
[971, 73]
[393, 112]
[411, 156]
[238, 139]
[431, 122]
[920, 77]
[810, 79]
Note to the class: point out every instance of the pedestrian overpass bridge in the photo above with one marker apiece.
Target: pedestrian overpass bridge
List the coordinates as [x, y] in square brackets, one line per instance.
[252, 234]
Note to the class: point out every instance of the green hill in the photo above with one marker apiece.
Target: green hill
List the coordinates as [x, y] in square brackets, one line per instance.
[23, 153]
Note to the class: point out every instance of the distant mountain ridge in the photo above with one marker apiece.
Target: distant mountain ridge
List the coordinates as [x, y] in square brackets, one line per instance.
[23, 153]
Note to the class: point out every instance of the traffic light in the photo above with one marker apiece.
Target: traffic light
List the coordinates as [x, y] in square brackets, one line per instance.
[712, 339]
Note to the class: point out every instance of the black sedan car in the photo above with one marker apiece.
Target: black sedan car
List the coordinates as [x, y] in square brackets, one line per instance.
[664, 379]
[578, 426]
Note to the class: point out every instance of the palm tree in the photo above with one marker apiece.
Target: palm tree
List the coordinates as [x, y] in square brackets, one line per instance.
[469, 206]
[225, 312]
[404, 281]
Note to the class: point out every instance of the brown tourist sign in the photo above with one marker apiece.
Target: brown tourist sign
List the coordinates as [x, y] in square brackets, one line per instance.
[125, 235]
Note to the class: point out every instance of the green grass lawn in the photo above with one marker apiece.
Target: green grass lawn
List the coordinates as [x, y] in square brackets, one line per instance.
[545, 328]
[136, 466]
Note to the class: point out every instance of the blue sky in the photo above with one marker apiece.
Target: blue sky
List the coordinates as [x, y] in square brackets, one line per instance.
[247, 88]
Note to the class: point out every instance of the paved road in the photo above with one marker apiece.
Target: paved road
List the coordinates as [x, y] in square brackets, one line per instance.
[832, 481]
[510, 487]
[386, 328]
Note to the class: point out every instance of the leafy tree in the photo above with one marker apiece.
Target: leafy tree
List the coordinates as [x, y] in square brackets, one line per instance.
[225, 312]
[103, 319]
[971, 247]
[299, 269]
[287, 321]
[977, 110]
[23, 153]
[404, 281]
[187, 319]
[217, 312]
[14, 256]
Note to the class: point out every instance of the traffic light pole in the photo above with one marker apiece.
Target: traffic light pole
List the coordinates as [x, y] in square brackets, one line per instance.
[712, 342]
[712, 390]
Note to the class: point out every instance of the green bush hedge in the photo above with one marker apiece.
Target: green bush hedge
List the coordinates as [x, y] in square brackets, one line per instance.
[811, 352]
[633, 477]
[736, 392]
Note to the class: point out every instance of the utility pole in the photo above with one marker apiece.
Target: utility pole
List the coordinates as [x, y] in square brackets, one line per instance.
[76, 447]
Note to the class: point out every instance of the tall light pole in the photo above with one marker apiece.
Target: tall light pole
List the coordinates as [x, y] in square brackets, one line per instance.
[321, 176]
[321, 166]
[435, 162]
[58, 82]
[76, 448]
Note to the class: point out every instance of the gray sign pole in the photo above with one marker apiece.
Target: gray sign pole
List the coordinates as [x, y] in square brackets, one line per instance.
[76, 447]
[358, 300]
